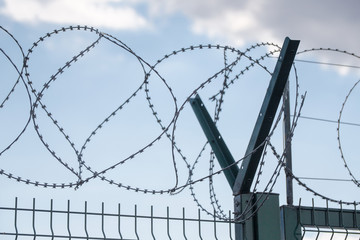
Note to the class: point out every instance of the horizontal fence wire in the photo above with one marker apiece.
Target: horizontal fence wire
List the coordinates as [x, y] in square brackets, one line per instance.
[50, 223]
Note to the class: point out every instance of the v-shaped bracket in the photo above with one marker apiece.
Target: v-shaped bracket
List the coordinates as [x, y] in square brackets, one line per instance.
[245, 175]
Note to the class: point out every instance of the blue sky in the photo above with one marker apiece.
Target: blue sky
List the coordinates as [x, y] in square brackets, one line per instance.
[85, 94]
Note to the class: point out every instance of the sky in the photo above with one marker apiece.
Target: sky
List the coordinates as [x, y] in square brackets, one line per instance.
[107, 76]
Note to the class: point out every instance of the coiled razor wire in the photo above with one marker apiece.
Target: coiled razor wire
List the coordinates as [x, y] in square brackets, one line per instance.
[167, 130]
[353, 178]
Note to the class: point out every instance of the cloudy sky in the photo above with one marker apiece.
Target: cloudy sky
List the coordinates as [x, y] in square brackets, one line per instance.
[331, 23]
[153, 28]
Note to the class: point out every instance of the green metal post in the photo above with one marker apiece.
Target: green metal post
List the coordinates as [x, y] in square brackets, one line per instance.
[265, 224]
[215, 140]
[262, 218]
[290, 223]
[287, 146]
[266, 116]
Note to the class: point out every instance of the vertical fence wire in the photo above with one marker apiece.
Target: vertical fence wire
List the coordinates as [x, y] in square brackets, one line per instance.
[215, 232]
[68, 219]
[33, 219]
[119, 215]
[298, 220]
[313, 220]
[152, 222]
[136, 225]
[183, 221]
[342, 221]
[15, 218]
[355, 218]
[327, 219]
[230, 223]
[85, 221]
[168, 222]
[102, 220]
[51, 218]
[199, 220]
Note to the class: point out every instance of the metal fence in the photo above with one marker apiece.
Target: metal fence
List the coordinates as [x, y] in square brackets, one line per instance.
[53, 222]
[17, 222]
[315, 223]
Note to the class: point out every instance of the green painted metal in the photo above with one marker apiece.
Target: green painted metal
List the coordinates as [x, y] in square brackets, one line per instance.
[265, 224]
[268, 218]
[328, 217]
[293, 218]
[290, 223]
[215, 140]
[263, 219]
[266, 116]
[287, 146]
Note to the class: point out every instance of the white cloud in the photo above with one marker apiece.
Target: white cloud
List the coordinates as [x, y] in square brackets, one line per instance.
[329, 23]
[317, 23]
[227, 26]
[113, 14]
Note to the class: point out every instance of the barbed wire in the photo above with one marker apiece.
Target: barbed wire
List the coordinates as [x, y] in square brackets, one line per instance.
[339, 122]
[354, 180]
[40, 94]
[168, 130]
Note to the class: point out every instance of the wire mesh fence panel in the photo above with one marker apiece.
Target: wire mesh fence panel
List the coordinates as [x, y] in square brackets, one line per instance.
[315, 223]
[17, 222]
[313, 233]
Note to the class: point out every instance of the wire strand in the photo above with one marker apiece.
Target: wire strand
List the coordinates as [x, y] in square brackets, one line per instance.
[326, 179]
[323, 63]
[326, 63]
[329, 121]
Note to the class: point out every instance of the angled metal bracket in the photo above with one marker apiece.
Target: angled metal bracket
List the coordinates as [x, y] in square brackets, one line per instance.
[266, 116]
[215, 140]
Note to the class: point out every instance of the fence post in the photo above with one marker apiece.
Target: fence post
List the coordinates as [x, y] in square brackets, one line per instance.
[265, 214]
[290, 224]
[259, 214]
[266, 117]
[287, 146]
